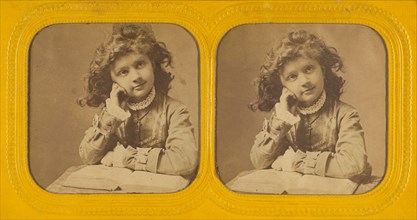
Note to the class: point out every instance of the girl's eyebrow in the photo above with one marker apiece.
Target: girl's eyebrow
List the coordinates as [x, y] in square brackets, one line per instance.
[139, 59]
[119, 68]
[288, 73]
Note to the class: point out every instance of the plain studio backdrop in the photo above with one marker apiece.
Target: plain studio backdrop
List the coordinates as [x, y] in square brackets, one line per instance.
[240, 54]
[59, 57]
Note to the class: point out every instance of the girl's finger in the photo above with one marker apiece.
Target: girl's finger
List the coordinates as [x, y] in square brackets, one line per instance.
[118, 89]
[113, 89]
[292, 94]
[123, 90]
[289, 92]
[284, 91]
[284, 95]
[114, 86]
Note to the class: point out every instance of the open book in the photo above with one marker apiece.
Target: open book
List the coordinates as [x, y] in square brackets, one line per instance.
[113, 178]
[281, 182]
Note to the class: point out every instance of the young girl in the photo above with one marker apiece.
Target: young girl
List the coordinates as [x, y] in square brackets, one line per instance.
[310, 130]
[140, 127]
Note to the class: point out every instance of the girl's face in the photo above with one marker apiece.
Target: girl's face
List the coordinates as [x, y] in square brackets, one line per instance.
[134, 72]
[304, 77]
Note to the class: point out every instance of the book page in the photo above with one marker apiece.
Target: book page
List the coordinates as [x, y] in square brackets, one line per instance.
[264, 181]
[146, 182]
[97, 177]
[311, 184]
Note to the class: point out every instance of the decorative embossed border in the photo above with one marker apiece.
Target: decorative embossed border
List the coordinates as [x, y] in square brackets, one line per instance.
[208, 29]
[17, 127]
[399, 110]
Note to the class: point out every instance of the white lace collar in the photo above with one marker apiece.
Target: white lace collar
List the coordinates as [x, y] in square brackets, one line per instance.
[143, 104]
[315, 107]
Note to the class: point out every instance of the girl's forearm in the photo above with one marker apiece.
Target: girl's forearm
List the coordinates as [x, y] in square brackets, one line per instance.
[266, 149]
[348, 159]
[99, 138]
[94, 146]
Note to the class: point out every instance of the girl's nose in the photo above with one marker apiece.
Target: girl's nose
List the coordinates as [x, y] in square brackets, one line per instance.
[304, 80]
[136, 74]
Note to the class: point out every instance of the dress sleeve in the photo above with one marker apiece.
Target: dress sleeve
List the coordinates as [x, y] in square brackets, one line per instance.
[99, 138]
[270, 143]
[349, 158]
[180, 156]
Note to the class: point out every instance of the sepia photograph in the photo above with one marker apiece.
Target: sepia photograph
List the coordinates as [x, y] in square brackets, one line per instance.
[301, 109]
[113, 108]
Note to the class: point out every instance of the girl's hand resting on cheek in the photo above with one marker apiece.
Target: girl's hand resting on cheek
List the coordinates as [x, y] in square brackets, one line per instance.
[285, 111]
[288, 101]
[118, 96]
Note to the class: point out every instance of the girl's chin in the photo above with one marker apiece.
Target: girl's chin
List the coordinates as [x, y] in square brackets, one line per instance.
[136, 97]
[307, 103]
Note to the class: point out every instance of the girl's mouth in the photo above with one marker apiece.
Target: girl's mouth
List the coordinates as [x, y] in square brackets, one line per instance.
[139, 86]
[308, 91]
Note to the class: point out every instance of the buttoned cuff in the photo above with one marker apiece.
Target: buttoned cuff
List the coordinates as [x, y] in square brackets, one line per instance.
[321, 163]
[277, 133]
[267, 131]
[106, 123]
[137, 158]
[262, 145]
[153, 158]
[116, 111]
[312, 162]
[129, 159]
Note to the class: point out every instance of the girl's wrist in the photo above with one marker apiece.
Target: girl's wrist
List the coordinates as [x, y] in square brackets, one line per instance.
[116, 110]
[283, 114]
[275, 131]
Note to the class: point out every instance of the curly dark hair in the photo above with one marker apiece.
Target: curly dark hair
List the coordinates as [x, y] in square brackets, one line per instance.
[125, 38]
[294, 45]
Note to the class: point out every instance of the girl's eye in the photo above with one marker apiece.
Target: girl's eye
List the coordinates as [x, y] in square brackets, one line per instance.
[123, 72]
[309, 69]
[140, 64]
[292, 77]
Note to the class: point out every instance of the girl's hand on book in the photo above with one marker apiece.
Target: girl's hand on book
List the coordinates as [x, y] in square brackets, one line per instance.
[114, 157]
[107, 160]
[285, 162]
[118, 96]
[118, 156]
[289, 101]
[277, 164]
